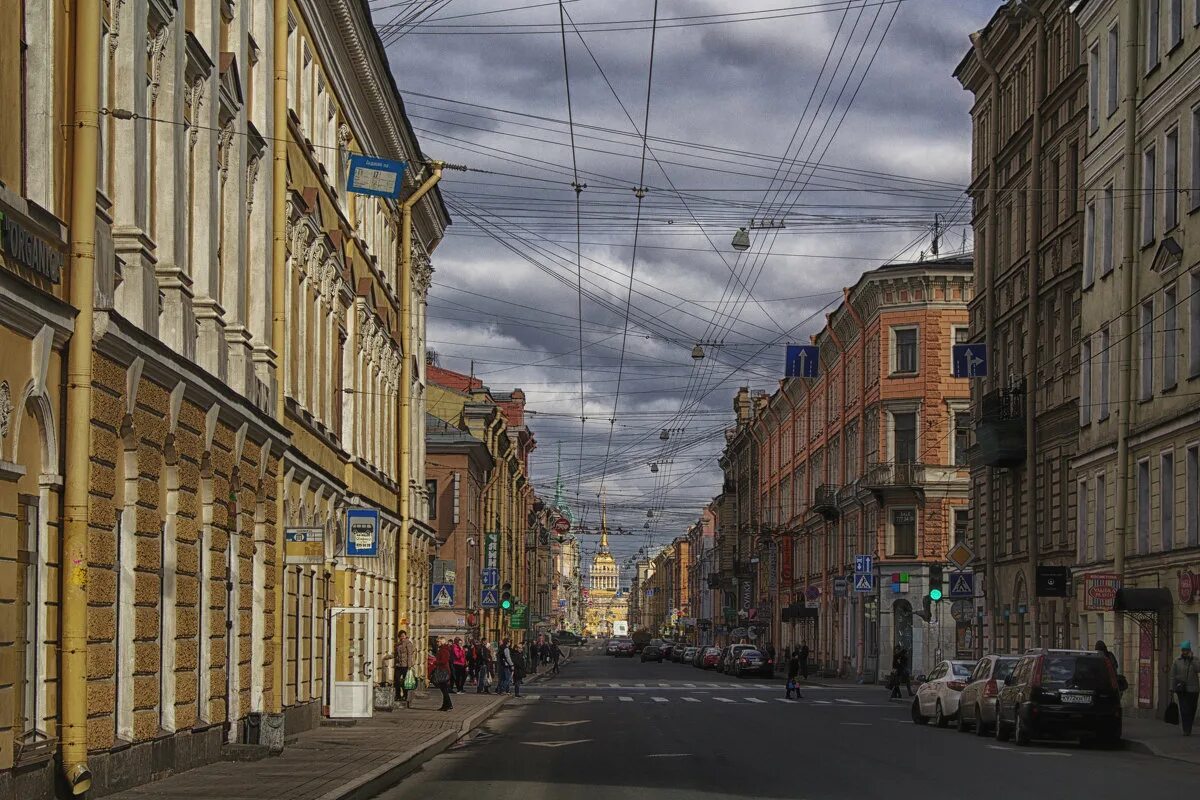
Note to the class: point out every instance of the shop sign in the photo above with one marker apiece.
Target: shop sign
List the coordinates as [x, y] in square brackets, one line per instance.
[1100, 591]
[303, 545]
[27, 248]
[362, 532]
[1187, 586]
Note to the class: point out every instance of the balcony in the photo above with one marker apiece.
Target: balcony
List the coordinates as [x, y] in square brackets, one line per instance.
[825, 501]
[903, 475]
[1000, 428]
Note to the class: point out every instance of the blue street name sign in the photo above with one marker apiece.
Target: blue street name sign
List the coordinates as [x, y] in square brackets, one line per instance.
[380, 177]
[490, 578]
[962, 585]
[864, 582]
[442, 595]
[864, 563]
[489, 598]
[803, 361]
[970, 360]
[362, 532]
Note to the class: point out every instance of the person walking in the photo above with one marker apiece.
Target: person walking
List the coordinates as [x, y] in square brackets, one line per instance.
[1185, 682]
[443, 675]
[458, 665]
[803, 660]
[403, 656]
[485, 670]
[555, 655]
[900, 672]
[504, 660]
[793, 672]
[1103, 650]
[518, 673]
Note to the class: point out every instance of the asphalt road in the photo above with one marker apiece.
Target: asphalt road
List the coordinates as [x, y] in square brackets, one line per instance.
[615, 728]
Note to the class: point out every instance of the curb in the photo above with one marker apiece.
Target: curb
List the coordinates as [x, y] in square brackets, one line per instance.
[1147, 749]
[400, 767]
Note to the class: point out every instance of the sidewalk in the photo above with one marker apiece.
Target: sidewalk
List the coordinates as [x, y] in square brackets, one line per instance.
[1156, 738]
[334, 761]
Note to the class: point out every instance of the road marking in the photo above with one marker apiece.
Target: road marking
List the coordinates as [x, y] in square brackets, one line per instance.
[639, 686]
[625, 699]
[660, 699]
[785, 700]
[614, 686]
[557, 744]
[691, 700]
[823, 702]
[753, 700]
[668, 755]
[858, 724]
[712, 686]
[667, 685]
[761, 686]
[724, 700]
[851, 702]
[589, 686]
[595, 697]
[690, 685]
[563, 724]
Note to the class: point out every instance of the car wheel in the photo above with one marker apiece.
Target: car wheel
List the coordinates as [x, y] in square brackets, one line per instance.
[980, 728]
[917, 716]
[964, 724]
[939, 718]
[1001, 731]
[1020, 731]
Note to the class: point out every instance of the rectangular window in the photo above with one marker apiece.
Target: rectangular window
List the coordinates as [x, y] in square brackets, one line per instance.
[1089, 244]
[1085, 382]
[1094, 88]
[1146, 337]
[905, 357]
[1106, 232]
[1114, 62]
[962, 438]
[1170, 338]
[1195, 193]
[1171, 179]
[904, 532]
[1105, 378]
[904, 447]
[1101, 532]
[1081, 520]
[431, 491]
[1166, 499]
[28, 619]
[1153, 36]
[1143, 506]
[1194, 325]
[1149, 195]
[962, 524]
[1175, 32]
[1193, 495]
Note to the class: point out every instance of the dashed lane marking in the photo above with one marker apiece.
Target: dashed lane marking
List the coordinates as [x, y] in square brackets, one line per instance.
[660, 699]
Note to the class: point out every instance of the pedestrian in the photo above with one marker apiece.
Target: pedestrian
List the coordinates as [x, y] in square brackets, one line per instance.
[485, 670]
[402, 657]
[900, 672]
[458, 665]
[1185, 682]
[504, 660]
[443, 675]
[1103, 650]
[533, 651]
[793, 671]
[472, 661]
[518, 673]
[555, 655]
[804, 660]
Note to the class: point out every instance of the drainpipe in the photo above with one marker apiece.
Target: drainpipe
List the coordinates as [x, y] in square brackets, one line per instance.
[1129, 289]
[989, 303]
[847, 302]
[278, 293]
[84, 139]
[403, 587]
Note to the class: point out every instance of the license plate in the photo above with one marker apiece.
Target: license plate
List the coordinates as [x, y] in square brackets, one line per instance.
[1077, 699]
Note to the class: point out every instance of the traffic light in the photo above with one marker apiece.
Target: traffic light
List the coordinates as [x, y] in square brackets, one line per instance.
[506, 597]
[935, 582]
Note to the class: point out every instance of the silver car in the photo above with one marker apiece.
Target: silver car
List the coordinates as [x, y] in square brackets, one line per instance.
[977, 703]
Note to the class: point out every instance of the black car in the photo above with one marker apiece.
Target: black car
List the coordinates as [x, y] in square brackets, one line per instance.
[667, 648]
[753, 662]
[1060, 694]
[652, 652]
[567, 638]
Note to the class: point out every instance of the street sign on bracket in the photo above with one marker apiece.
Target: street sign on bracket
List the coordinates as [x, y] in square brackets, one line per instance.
[803, 361]
[969, 360]
[864, 582]
[962, 585]
[960, 555]
[489, 598]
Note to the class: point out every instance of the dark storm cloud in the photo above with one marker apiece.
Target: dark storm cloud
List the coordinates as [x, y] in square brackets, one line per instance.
[736, 86]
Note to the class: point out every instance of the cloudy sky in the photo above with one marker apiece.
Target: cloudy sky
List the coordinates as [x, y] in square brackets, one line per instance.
[834, 125]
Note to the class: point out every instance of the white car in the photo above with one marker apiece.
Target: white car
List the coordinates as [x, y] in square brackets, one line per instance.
[937, 699]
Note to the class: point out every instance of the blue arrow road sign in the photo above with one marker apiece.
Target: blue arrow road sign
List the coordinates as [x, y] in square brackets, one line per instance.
[490, 598]
[970, 360]
[803, 361]
[490, 578]
[864, 563]
[442, 595]
[962, 585]
[864, 582]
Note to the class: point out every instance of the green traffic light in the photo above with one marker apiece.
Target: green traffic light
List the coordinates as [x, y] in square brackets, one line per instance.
[935, 594]
[506, 604]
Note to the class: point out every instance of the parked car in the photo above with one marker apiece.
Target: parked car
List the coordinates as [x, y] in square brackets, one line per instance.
[1060, 694]
[652, 652]
[937, 698]
[567, 638]
[698, 656]
[712, 658]
[977, 703]
[667, 649]
[729, 655]
[679, 653]
[625, 648]
[610, 649]
[753, 662]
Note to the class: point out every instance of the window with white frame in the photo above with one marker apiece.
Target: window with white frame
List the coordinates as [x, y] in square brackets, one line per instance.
[28, 620]
[1170, 337]
[961, 420]
[1100, 528]
[1114, 62]
[1143, 506]
[1085, 382]
[904, 532]
[1104, 378]
[1149, 195]
[1146, 338]
[1106, 230]
[1192, 490]
[1166, 499]
[1089, 244]
[1081, 519]
[904, 349]
[1094, 87]
[1171, 179]
[1153, 35]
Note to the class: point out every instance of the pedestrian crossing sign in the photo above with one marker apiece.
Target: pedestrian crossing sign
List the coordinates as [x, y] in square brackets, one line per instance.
[864, 582]
[489, 598]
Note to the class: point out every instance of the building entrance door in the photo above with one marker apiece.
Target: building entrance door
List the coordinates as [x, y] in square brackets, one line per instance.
[352, 662]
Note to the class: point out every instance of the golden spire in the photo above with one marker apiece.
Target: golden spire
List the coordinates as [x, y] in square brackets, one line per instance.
[603, 524]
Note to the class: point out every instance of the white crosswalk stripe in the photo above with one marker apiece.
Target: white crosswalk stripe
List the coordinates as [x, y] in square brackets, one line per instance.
[851, 702]
[690, 685]
[754, 700]
[595, 697]
[691, 700]
[823, 702]
[784, 700]
[724, 700]
[761, 686]
[660, 699]
[625, 699]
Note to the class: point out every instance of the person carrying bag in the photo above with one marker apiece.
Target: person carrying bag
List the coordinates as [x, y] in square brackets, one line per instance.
[1185, 683]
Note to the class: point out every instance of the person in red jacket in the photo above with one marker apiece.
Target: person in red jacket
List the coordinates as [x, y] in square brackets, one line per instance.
[443, 674]
[459, 665]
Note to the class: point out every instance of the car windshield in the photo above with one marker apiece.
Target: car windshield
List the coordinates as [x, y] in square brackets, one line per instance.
[1075, 672]
[1004, 668]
